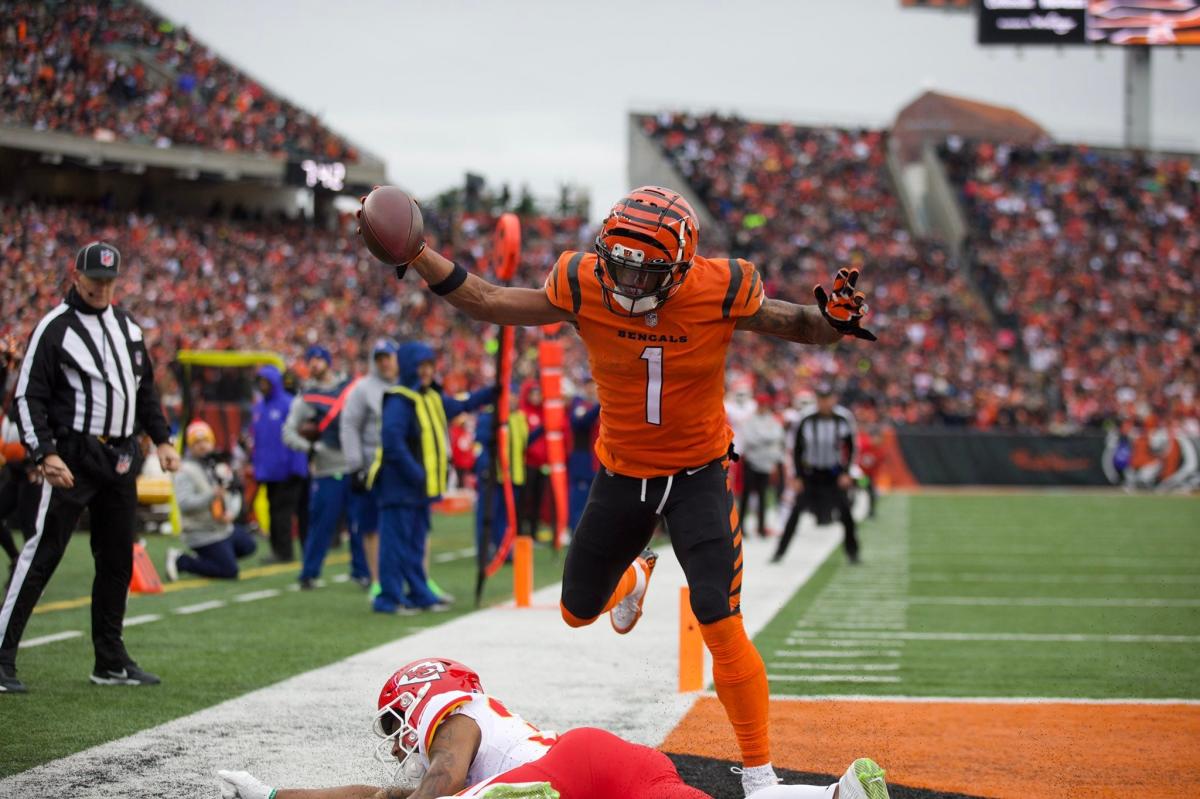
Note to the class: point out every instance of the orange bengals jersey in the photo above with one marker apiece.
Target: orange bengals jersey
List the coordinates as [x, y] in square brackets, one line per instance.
[660, 377]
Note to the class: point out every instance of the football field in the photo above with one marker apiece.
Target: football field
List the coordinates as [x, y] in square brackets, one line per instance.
[1030, 629]
[1015, 644]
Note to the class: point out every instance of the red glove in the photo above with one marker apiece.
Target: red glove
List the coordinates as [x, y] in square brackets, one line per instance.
[846, 307]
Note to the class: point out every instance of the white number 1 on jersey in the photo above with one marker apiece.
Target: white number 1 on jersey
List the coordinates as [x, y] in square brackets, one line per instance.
[653, 356]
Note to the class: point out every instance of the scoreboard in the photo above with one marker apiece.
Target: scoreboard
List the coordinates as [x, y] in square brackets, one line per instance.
[1112, 22]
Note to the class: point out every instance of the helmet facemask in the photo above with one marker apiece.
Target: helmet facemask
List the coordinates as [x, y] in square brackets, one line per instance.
[632, 286]
[391, 724]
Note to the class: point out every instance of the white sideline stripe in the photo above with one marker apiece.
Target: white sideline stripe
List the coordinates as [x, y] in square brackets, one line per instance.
[828, 678]
[342, 578]
[1050, 601]
[50, 639]
[976, 700]
[1031, 637]
[839, 666]
[1108, 579]
[134, 621]
[842, 653]
[200, 607]
[266, 593]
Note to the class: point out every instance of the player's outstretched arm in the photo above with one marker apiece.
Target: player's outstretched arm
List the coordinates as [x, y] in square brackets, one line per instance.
[487, 302]
[803, 324]
[835, 315]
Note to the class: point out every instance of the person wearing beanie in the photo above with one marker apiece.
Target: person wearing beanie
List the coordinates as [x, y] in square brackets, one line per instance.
[209, 499]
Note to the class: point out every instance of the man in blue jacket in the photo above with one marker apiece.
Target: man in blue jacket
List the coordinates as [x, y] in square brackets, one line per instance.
[410, 472]
[282, 470]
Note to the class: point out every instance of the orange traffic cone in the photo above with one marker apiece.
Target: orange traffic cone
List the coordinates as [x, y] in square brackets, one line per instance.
[145, 578]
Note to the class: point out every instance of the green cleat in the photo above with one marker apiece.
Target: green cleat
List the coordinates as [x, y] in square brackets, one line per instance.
[519, 790]
[863, 780]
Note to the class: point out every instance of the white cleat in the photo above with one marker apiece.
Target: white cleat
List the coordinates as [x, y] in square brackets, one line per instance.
[172, 566]
[625, 614]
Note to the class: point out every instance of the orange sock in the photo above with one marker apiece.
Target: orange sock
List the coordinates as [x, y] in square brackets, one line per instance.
[627, 584]
[741, 682]
[624, 588]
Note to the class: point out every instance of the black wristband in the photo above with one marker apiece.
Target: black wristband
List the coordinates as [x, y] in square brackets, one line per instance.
[452, 281]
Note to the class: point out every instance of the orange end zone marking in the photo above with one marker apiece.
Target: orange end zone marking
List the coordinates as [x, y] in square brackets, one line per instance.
[1000, 750]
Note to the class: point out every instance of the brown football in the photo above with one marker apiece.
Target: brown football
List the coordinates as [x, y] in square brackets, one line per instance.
[391, 225]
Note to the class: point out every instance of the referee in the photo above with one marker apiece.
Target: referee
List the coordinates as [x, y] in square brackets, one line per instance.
[824, 452]
[84, 389]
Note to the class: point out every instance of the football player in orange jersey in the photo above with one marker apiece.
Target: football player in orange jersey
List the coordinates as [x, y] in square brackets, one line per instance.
[656, 319]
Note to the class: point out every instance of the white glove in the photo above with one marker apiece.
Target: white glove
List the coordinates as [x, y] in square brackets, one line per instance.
[243, 785]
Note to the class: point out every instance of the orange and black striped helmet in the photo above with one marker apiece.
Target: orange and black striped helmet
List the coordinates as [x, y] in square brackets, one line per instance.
[644, 249]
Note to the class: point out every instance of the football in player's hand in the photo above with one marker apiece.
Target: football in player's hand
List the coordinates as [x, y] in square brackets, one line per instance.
[310, 430]
[391, 225]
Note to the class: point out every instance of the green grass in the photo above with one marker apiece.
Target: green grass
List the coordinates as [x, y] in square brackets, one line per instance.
[1021, 564]
[211, 656]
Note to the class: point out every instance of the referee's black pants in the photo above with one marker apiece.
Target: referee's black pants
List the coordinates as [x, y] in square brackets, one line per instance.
[821, 493]
[111, 500]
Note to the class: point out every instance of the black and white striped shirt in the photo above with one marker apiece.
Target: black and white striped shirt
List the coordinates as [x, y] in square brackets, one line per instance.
[87, 371]
[825, 441]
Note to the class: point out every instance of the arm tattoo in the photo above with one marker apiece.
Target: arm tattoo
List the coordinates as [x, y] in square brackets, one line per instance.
[450, 755]
[800, 323]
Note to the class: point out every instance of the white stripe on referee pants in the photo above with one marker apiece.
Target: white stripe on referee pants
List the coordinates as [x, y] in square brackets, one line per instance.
[25, 559]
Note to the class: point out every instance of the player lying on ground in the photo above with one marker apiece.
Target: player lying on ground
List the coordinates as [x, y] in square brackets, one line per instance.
[446, 734]
[656, 318]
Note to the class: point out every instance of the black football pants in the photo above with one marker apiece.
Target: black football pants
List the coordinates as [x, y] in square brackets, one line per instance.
[619, 519]
[54, 512]
[821, 491]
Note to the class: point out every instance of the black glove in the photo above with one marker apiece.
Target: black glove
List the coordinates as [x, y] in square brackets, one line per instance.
[845, 309]
[358, 482]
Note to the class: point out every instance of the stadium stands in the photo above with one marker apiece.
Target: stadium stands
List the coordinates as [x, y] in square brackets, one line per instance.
[802, 203]
[1093, 257]
[210, 284]
[1081, 308]
[118, 71]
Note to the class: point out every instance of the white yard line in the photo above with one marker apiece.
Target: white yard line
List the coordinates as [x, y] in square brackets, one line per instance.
[1054, 579]
[1026, 637]
[1055, 602]
[200, 607]
[147, 618]
[553, 675]
[254, 596]
[66, 635]
[978, 700]
[840, 653]
[458, 554]
[830, 678]
[838, 666]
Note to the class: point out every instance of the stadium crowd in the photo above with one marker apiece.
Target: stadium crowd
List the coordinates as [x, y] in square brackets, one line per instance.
[281, 286]
[802, 203]
[118, 71]
[1093, 257]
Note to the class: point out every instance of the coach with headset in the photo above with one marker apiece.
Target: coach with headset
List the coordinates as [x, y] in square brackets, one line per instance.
[85, 389]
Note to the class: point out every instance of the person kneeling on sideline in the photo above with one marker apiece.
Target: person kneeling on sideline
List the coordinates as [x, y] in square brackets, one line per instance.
[208, 503]
[445, 737]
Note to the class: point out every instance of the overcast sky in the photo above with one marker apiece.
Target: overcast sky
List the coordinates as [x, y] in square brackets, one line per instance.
[538, 91]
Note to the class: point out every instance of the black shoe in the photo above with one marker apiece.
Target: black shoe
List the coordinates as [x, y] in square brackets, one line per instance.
[776, 558]
[307, 584]
[9, 684]
[130, 675]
